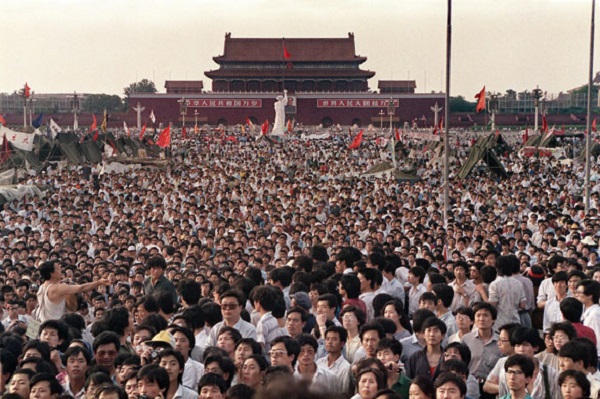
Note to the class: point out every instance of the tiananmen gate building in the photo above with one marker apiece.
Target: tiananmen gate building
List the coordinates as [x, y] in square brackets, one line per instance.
[323, 77]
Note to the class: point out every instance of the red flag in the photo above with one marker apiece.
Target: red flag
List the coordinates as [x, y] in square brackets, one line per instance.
[96, 134]
[290, 127]
[480, 100]
[525, 136]
[264, 129]
[594, 125]
[286, 53]
[397, 135]
[27, 91]
[114, 147]
[249, 122]
[544, 124]
[2, 120]
[143, 131]
[183, 133]
[94, 123]
[164, 139]
[356, 142]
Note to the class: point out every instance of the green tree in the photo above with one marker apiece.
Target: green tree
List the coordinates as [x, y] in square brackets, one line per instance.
[459, 104]
[97, 103]
[143, 86]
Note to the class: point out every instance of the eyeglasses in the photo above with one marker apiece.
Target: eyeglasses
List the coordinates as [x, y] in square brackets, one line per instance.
[229, 306]
[514, 372]
[277, 353]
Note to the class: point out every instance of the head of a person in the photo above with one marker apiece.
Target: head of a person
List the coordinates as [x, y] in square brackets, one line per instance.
[95, 381]
[106, 347]
[20, 382]
[421, 387]
[212, 386]
[45, 386]
[588, 292]
[561, 333]
[457, 351]
[157, 266]
[153, 381]
[370, 334]
[573, 355]
[111, 392]
[368, 382]
[519, 371]
[253, 370]
[504, 344]
[284, 352]
[434, 331]
[77, 361]
[485, 315]
[54, 332]
[526, 341]
[450, 386]
[571, 309]
[389, 351]
[335, 339]
[574, 384]
[244, 348]
[173, 362]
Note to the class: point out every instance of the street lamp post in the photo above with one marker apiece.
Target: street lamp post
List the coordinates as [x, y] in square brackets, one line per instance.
[493, 108]
[537, 94]
[381, 113]
[75, 110]
[195, 118]
[31, 100]
[390, 111]
[183, 109]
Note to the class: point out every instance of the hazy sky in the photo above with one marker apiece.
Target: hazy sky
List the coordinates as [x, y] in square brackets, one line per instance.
[101, 46]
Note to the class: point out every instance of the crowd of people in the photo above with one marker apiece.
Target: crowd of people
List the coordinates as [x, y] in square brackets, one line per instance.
[256, 269]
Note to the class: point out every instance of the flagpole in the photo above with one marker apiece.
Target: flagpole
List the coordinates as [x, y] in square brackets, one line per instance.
[589, 112]
[447, 114]
[283, 70]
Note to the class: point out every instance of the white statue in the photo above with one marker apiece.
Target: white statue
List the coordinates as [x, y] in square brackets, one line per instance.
[279, 124]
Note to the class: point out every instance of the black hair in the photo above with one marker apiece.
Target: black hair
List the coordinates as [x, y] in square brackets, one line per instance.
[571, 309]
[523, 334]
[565, 327]
[463, 350]
[392, 344]
[341, 331]
[307, 339]
[446, 377]
[576, 352]
[291, 346]
[110, 389]
[178, 356]
[74, 351]
[194, 317]
[372, 326]
[419, 318]
[435, 322]
[477, 306]
[55, 387]
[425, 385]
[579, 377]
[419, 272]
[105, 338]
[155, 373]
[522, 361]
[252, 343]
[351, 284]
[117, 320]
[455, 366]
[445, 293]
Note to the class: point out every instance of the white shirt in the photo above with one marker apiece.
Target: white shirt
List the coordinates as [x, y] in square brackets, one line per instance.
[340, 369]
[192, 373]
[322, 380]
[247, 330]
[591, 319]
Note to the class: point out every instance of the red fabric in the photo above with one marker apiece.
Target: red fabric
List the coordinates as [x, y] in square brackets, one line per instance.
[94, 123]
[289, 126]
[164, 139]
[585, 332]
[356, 142]
[594, 125]
[286, 53]
[2, 120]
[96, 134]
[544, 124]
[183, 133]
[143, 131]
[481, 100]
[264, 129]
[355, 302]
[4, 150]
[397, 135]
[27, 91]
[525, 136]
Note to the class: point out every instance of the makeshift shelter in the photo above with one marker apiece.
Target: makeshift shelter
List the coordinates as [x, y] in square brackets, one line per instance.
[485, 150]
[387, 169]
